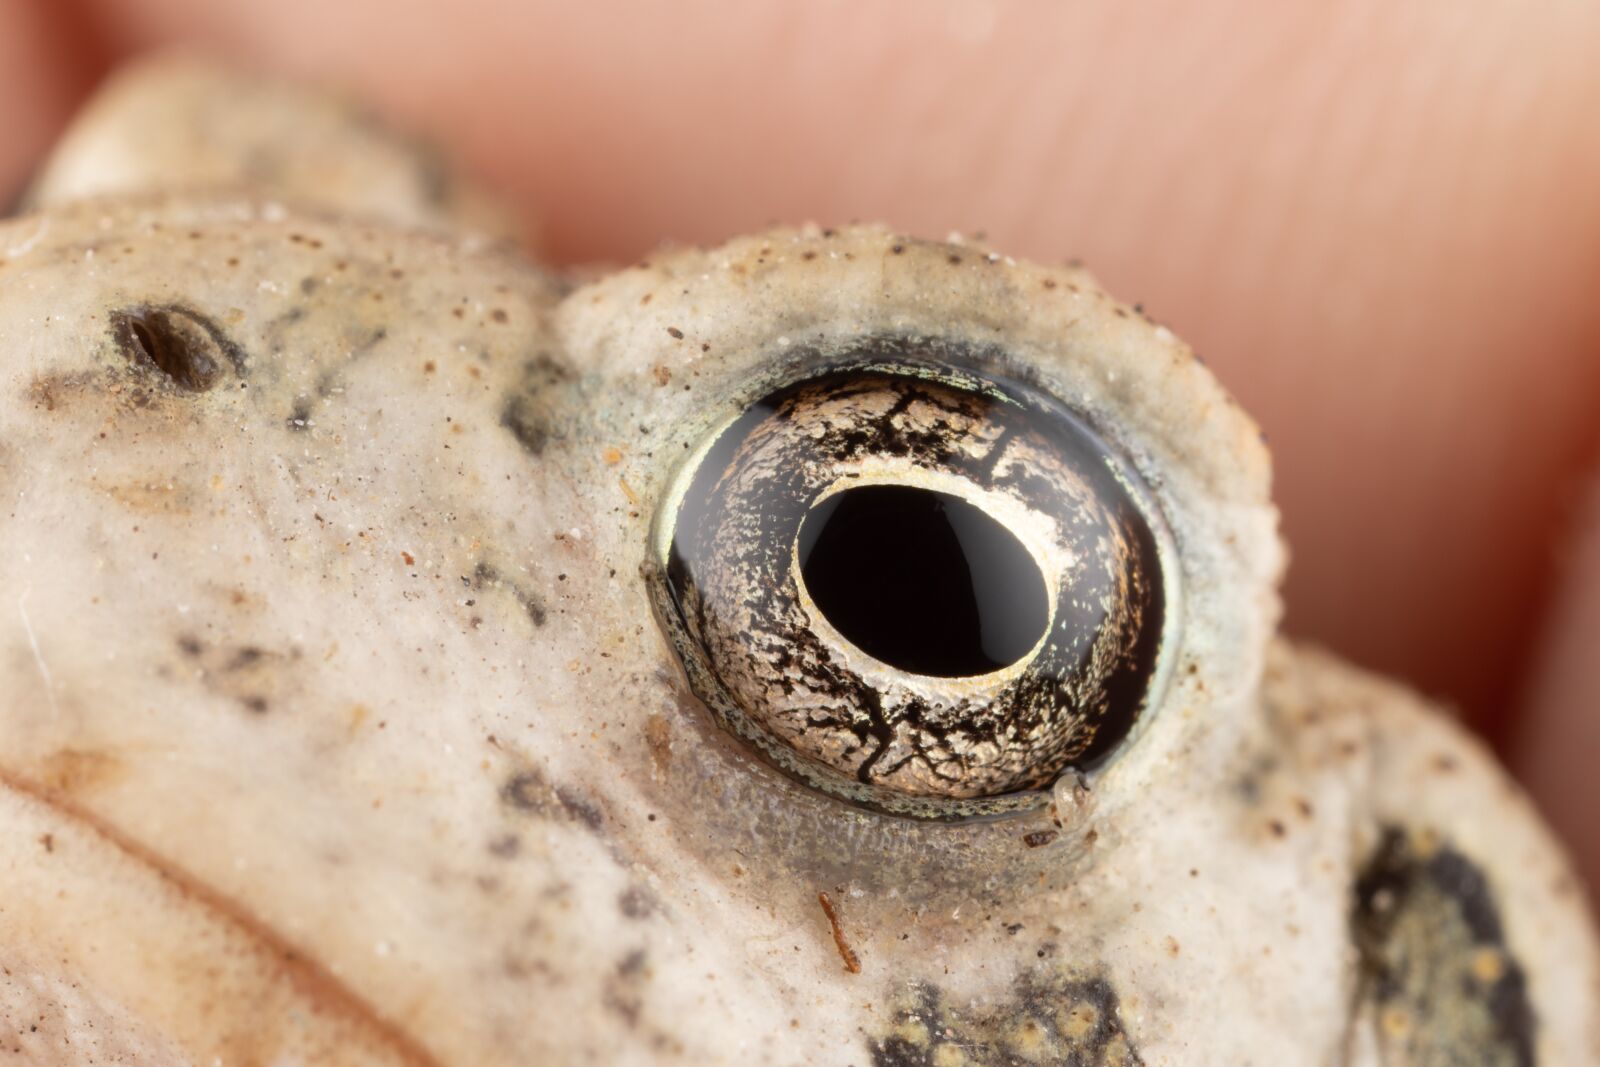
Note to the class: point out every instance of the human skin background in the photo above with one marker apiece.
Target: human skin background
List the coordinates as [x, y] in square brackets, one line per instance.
[1379, 223]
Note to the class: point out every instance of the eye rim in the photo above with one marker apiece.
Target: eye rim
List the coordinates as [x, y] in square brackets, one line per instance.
[959, 364]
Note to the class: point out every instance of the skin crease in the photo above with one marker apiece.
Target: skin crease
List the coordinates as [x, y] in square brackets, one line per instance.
[1378, 225]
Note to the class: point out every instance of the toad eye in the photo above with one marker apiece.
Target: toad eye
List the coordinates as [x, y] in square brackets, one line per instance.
[916, 588]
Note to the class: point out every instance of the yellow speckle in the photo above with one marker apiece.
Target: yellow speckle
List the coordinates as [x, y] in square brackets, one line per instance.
[1078, 1021]
[612, 456]
[1031, 1041]
[1425, 843]
[1116, 1053]
[913, 1032]
[1396, 1022]
[1488, 965]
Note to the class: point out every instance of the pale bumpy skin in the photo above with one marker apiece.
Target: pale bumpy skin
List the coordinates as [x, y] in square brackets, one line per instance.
[337, 725]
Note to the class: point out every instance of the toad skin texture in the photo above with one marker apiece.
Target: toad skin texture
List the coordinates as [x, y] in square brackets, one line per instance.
[343, 718]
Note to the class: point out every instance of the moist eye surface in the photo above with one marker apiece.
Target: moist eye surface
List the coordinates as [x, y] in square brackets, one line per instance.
[908, 584]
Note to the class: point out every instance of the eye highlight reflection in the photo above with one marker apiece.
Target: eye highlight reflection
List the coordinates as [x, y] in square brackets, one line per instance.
[916, 588]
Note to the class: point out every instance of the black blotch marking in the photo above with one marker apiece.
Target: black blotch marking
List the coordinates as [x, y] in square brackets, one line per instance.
[485, 576]
[527, 791]
[247, 656]
[1050, 1017]
[299, 420]
[623, 995]
[526, 413]
[580, 808]
[187, 348]
[636, 902]
[526, 423]
[1433, 953]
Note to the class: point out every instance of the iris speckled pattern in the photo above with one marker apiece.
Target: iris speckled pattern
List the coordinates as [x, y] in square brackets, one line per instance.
[410, 655]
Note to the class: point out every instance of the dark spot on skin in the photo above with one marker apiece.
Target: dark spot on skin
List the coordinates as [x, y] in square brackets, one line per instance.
[506, 846]
[1039, 838]
[247, 656]
[526, 425]
[580, 808]
[190, 646]
[635, 902]
[256, 705]
[624, 991]
[185, 347]
[1438, 981]
[308, 285]
[487, 576]
[527, 413]
[299, 419]
[675, 333]
[525, 791]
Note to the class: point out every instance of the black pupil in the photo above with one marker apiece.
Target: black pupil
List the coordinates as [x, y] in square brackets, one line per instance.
[923, 581]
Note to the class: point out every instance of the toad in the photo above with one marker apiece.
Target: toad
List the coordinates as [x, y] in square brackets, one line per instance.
[829, 648]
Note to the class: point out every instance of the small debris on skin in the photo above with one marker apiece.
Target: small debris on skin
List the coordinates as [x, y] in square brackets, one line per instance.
[852, 962]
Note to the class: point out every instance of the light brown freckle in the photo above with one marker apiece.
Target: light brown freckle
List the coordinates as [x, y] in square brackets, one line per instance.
[1173, 947]
[498, 315]
[75, 770]
[409, 558]
[429, 367]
